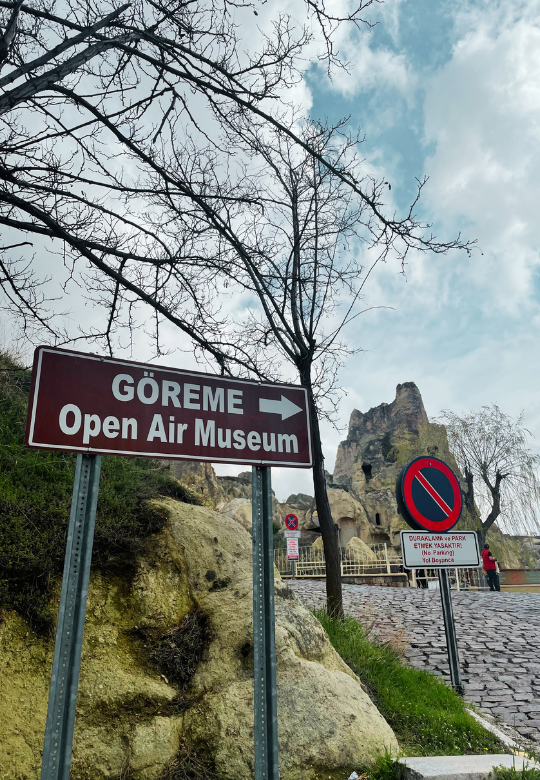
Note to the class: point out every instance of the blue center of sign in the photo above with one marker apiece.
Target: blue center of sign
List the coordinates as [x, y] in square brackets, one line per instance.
[432, 494]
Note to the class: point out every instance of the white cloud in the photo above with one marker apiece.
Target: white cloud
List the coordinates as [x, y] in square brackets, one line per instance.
[465, 330]
[373, 68]
[482, 111]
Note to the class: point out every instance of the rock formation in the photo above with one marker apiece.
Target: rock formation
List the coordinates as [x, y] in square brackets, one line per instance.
[378, 444]
[197, 476]
[361, 490]
[136, 717]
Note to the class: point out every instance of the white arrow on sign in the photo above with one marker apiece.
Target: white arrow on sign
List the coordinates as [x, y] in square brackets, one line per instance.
[284, 407]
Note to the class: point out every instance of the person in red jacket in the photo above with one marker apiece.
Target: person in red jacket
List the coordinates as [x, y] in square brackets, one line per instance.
[490, 567]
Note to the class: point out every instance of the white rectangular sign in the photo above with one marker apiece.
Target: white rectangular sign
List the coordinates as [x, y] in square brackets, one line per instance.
[292, 550]
[291, 534]
[425, 549]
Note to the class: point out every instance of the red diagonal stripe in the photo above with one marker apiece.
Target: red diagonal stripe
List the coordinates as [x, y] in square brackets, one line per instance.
[433, 493]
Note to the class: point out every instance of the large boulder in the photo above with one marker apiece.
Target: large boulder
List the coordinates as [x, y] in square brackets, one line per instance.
[199, 477]
[134, 720]
[359, 550]
[238, 509]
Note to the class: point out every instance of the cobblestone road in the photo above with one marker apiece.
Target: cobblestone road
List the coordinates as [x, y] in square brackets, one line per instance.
[498, 640]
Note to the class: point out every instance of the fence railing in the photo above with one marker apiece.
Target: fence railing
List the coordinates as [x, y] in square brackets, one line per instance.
[460, 579]
[379, 562]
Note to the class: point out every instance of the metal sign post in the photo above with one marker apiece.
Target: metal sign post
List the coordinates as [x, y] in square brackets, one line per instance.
[69, 633]
[264, 641]
[450, 631]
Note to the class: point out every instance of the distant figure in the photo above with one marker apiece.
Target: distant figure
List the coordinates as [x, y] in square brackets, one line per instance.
[490, 567]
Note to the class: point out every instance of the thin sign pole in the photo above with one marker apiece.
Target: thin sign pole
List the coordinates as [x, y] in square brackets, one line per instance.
[264, 642]
[450, 631]
[71, 613]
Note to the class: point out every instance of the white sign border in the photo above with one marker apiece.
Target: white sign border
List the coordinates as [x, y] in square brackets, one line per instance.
[158, 455]
[441, 565]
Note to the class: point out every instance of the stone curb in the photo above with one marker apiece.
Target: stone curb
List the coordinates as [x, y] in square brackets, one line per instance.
[461, 767]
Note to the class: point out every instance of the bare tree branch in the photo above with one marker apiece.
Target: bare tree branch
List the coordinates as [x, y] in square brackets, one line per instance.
[501, 471]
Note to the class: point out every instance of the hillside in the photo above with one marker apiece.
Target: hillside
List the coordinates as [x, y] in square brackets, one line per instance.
[166, 687]
[35, 499]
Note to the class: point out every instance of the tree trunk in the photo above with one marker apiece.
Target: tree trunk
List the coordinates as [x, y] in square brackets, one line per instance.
[481, 533]
[495, 507]
[468, 495]
[470, 506]
[334, 597]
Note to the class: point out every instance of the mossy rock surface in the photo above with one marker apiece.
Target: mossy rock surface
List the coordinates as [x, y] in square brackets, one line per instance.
[133, 721]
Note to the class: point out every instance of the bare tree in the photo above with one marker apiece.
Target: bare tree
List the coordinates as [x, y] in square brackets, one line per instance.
[286, 232]
[500, 470]
[92, 97]
[135, 139]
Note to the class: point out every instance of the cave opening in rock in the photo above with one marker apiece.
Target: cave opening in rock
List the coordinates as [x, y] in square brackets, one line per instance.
[366, 468]
[377, 518]
[347, 530]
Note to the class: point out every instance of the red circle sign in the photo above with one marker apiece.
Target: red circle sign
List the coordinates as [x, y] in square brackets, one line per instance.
[291, 521]
[431, 494]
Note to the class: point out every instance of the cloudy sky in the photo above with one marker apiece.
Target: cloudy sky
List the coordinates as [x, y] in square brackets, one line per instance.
[450, 90]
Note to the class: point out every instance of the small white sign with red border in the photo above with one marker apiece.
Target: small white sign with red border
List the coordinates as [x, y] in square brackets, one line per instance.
[292, 550]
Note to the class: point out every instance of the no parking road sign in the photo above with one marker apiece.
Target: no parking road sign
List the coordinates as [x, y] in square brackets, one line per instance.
[291, 521]
[429, 495]
[429, 499]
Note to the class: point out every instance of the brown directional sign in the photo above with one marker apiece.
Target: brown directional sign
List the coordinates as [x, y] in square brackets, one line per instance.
[93, 404]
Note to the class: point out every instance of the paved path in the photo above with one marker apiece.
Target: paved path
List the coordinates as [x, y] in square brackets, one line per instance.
[498, 640]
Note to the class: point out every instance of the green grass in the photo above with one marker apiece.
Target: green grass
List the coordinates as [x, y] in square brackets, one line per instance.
[527, 773]
[427, 716]
[35, 499]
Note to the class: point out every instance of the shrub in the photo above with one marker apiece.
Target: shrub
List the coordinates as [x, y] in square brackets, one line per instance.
[526, 773]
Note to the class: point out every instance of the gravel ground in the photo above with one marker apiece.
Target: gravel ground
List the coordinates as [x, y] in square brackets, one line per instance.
[498, 639]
